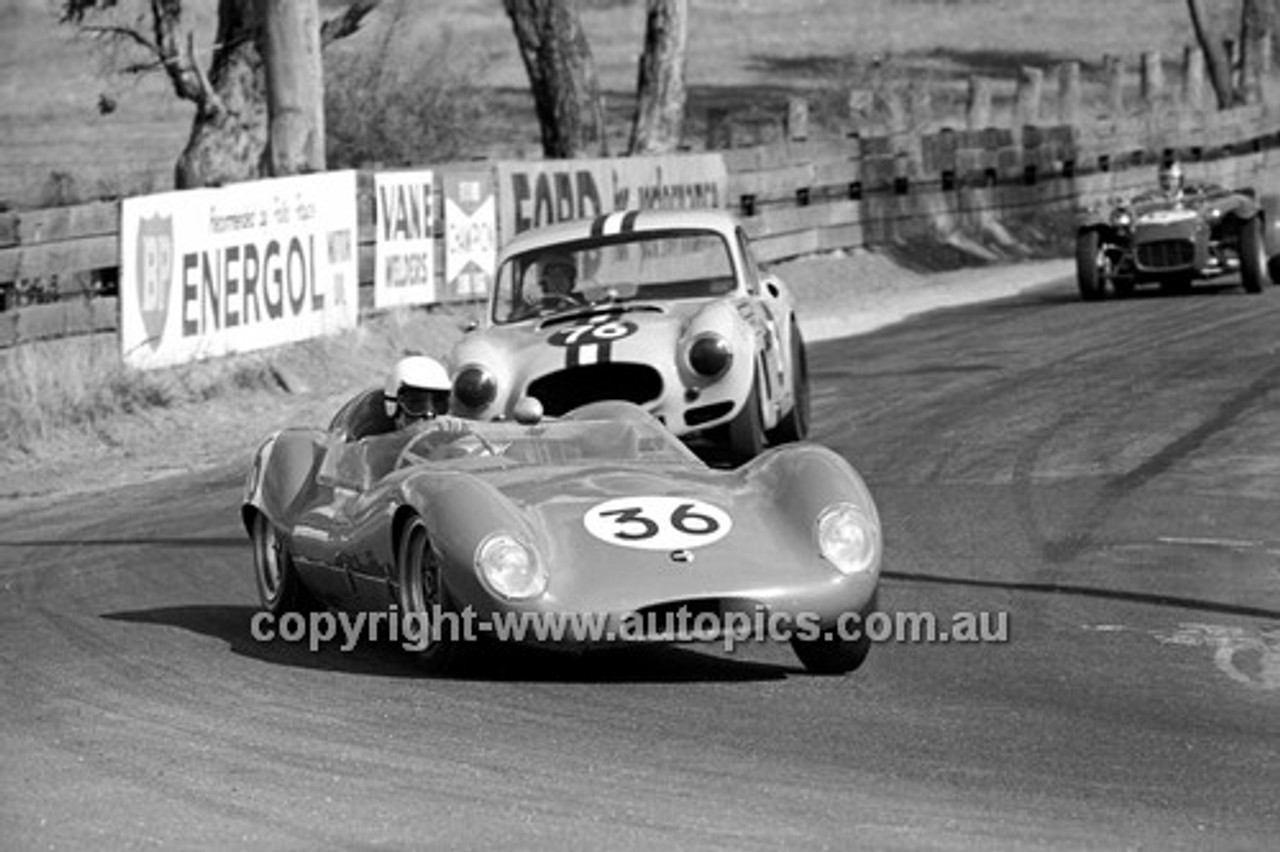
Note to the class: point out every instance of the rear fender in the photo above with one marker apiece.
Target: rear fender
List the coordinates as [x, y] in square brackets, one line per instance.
[283, 474]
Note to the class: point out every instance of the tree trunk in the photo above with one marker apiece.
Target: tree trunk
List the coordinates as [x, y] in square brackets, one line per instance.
[562, 75]
[660, 92]
[1216, 61]
[230, 130]
[295, 87]
[1259, 30]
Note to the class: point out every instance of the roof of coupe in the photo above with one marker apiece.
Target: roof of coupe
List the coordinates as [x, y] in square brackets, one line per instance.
[613, 223]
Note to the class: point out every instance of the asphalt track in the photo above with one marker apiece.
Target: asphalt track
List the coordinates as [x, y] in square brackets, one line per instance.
[1106, 474]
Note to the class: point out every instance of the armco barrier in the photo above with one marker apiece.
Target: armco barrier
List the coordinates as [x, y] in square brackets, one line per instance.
[796, 198]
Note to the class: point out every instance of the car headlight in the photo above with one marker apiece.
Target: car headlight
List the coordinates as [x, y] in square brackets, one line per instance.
[849, 538]
[510, 567]
[1121, 218]
[475, 387]
[710, 355]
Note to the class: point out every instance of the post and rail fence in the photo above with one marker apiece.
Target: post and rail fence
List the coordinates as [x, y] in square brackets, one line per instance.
[888, 177]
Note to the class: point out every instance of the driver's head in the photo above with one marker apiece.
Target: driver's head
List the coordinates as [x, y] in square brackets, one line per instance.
[557, 275]
[1170, 177]
[417, 389]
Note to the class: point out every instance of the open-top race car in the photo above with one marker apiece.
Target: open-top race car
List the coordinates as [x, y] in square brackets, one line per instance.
[666, 309]
[1174, 237]
[601, 515]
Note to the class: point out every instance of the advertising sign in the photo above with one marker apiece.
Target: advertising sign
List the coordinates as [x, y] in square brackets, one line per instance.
[209, 272]
[404, 250]
[470, 234]
[532, 194]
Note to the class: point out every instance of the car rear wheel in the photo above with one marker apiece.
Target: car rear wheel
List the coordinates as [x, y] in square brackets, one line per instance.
[424, 604]
[1093, 267]
[794, 425]
[280, 590]
[746, 430]
[1253, 256]
[832, 655]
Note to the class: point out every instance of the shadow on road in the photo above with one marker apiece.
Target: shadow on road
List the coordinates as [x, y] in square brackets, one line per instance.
[486, 660]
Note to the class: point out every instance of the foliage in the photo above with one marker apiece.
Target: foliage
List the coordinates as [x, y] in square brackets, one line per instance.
[401, 104]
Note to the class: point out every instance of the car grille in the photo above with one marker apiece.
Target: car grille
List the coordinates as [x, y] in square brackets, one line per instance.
[565, 390]
[1166, 254]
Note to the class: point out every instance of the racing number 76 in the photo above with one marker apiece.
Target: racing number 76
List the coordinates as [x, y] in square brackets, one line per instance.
[684, 518]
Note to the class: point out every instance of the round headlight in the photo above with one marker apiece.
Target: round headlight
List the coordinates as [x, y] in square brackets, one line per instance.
[510, 568]
[475, 387]
[1121, 218]
[710, 355]
[849, 538]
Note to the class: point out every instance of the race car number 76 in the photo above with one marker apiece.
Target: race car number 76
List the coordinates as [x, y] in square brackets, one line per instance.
[657, 523]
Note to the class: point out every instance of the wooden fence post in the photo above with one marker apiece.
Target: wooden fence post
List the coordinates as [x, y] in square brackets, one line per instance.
[1114, 66]
[1069, 93]
[1193, 78]
[1151, 79]
[978, 106]
[1027, 97]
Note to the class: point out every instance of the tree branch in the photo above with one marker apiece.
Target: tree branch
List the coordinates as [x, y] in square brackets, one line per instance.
[121, 33]
[347, 23]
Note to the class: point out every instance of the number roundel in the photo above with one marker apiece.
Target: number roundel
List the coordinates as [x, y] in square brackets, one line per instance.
[657, 523]
[593, 332]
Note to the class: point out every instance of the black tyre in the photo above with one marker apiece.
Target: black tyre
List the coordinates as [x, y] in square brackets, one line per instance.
[280, 590]
[1253, 256]
[833, 655]
[794, 425]
[746, 430]
[424, 604]
[1092, 266]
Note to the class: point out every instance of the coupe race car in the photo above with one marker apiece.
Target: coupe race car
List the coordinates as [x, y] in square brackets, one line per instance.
[1203, 232]
[666, 309]
[601, 513]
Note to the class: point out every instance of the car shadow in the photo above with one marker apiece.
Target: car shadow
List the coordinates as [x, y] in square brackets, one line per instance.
[480, 661]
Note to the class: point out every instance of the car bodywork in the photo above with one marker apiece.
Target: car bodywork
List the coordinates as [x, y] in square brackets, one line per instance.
[671, 311]
[618, 515]
[1202, 232]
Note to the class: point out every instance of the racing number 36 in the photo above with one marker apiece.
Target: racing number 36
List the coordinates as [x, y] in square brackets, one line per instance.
[657, 523]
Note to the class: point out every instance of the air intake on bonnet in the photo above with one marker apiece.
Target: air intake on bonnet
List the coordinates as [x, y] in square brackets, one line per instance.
[565, 390]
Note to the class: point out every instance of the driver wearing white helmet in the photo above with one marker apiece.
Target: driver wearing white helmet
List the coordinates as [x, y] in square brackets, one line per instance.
[416, 396]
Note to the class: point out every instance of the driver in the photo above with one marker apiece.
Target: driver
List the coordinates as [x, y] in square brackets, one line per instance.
[1171, 180]
[416, 396]
[558, 276]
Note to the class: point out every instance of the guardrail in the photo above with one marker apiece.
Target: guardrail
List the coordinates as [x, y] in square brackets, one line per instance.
[59, 267]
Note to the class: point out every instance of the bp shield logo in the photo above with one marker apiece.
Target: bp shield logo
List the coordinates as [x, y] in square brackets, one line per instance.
[155, 274]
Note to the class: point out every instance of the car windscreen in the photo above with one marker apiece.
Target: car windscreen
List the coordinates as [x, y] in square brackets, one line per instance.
[672, 264]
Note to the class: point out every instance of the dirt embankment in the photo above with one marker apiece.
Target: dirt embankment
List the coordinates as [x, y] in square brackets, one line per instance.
[204, 415]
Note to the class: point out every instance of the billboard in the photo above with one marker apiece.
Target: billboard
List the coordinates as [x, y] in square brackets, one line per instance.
[208, 272]
[470, 234]
[404, 266]
[533, 194]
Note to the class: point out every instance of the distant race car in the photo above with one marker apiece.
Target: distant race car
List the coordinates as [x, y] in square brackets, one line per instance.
[666, 309]
[1204, 232]
[602, 512]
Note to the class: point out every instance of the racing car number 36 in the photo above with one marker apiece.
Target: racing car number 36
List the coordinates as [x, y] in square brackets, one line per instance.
[657, 523]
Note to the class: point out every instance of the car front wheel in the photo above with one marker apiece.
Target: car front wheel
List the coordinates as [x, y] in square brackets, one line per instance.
[746, 430]
[794, 425]
[1253, 256]
[424, 604]
[1093, 268]
[831, 654]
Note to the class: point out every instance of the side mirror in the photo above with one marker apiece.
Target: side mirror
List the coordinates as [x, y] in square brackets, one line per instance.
[528, 411]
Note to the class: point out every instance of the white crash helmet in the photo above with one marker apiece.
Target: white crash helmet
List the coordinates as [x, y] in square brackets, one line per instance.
[1170, 176]
[419, 386]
